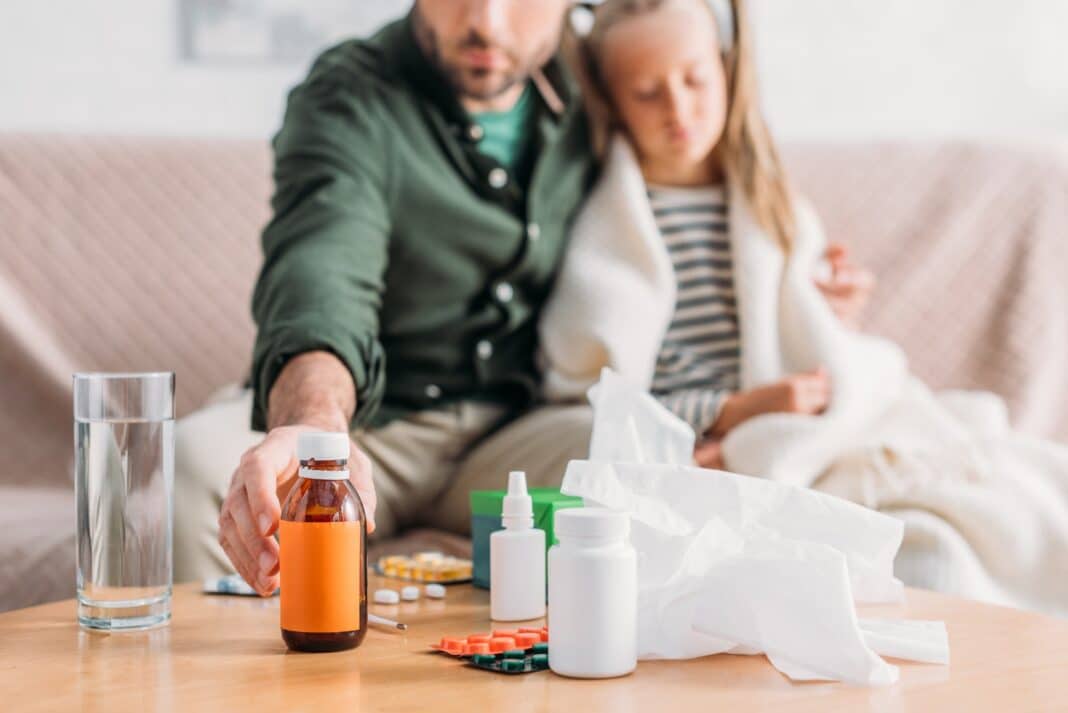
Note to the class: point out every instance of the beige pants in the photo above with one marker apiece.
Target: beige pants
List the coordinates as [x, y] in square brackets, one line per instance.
[424, 466]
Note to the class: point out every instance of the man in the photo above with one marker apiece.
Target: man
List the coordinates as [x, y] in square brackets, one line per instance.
[425, 180]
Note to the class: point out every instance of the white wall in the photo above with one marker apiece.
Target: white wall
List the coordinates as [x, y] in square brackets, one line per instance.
[861, 68]
[830, 68]
[113, 66]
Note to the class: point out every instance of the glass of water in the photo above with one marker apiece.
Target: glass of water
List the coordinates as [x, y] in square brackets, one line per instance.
[124, 483]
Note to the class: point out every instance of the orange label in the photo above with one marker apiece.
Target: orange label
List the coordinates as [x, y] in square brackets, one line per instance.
[320, 576]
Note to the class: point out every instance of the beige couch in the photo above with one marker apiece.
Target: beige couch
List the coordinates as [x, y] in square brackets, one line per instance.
[139, 254]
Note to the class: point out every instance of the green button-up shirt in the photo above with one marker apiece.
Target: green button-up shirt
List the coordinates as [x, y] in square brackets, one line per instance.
[399, 246]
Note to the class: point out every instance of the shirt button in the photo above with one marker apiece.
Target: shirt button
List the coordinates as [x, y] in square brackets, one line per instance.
[504, 292]
[433, 391]
[484, 349]
[475, 132]
[533, 231]
[498, 178]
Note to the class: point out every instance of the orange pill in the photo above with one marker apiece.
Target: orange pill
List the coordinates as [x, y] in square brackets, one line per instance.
[448, 642]
[479, 638]
[531, 629]
[526, 640]
[504, 632]
[501, 643]
[544, 634]
[481, 647]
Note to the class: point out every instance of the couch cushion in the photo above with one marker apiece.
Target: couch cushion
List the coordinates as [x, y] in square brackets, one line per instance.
[120, 254]
[140, 254]
[37, 551]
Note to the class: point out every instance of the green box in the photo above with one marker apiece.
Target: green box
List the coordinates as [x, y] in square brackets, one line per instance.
[486, 508]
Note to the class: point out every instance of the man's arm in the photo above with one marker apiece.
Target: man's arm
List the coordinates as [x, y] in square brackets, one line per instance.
[314, 389]
[326, 248]
[316, 307]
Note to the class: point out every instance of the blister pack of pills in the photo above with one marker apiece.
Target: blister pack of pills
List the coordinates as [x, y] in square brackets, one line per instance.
[425, 567]
[523, 650]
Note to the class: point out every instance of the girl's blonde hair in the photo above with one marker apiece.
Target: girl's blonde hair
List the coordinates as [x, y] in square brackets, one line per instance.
[746, 149]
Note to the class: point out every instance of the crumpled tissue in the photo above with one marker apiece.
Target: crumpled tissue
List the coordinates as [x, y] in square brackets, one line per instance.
[729, 563]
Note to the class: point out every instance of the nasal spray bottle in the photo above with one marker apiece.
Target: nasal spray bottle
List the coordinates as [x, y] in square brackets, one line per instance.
[517, 558]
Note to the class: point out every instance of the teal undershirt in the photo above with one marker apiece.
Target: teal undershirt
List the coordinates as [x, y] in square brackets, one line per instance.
[506, 135]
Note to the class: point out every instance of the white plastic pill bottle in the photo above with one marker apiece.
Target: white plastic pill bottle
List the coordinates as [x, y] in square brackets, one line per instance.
[593, 595]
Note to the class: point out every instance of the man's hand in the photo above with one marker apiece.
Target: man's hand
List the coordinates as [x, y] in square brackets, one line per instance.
[808, 392]
[250, 513]
[849, 287]
[314, 392]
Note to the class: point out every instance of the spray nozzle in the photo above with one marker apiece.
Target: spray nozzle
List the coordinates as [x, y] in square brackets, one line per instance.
[518, 509]
[517, 483]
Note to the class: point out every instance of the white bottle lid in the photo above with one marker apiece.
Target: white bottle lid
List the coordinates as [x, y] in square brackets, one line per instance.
[517, 511]
[323, 445]
[591, 524]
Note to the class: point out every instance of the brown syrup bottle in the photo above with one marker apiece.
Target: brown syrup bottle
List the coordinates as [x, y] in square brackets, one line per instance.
[322, 538]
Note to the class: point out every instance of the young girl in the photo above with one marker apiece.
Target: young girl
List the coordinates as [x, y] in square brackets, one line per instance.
[691, 271]
[688, 160]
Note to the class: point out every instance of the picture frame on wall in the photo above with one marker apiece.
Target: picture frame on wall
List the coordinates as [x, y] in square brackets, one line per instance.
[274, 31]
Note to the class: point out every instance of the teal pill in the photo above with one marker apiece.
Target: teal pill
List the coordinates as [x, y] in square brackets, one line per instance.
[513, 665]
[541, 648]
[540, 660]
[483, 659]
[514, 654]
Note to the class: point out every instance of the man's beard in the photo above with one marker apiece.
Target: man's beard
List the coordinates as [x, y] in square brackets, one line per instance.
[469, 83]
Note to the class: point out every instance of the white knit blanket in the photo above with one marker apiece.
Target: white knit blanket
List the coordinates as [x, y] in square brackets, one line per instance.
[986, 509]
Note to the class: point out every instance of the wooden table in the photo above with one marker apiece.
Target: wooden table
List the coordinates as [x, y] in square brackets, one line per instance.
[225, 654]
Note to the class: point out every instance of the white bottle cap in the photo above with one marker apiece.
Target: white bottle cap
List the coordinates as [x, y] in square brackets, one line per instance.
[323, 445]
[591, 524]
[517, 511]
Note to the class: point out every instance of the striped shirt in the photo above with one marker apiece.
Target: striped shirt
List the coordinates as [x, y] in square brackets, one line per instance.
[699, 360]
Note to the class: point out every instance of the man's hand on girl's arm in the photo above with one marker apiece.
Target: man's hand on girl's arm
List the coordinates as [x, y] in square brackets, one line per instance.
[849, 287]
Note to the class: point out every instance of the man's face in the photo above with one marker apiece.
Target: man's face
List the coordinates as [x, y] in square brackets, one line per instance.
[485, 47]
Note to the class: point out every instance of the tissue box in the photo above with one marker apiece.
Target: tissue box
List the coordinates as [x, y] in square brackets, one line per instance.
[486, 519]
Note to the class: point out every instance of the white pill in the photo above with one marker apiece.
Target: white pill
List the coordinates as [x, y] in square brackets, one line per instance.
[386, 596]
[410, 594]
[435, 591]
